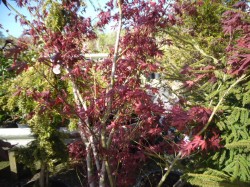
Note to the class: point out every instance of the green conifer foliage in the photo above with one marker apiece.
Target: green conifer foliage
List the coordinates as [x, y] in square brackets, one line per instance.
[199, 53]
[17, 100]
[56, 18]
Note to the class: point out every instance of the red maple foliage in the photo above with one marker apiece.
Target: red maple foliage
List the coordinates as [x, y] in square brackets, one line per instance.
[124, 110]
[233, 23]
[199, 143]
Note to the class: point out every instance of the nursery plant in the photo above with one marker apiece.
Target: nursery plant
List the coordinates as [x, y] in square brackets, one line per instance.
[210, 56]
[48, 148]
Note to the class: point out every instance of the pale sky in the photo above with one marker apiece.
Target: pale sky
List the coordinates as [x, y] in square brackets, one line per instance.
[7, 20]
[7, 17]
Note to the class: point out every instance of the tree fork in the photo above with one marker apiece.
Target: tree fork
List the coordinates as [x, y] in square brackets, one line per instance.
[105, 164]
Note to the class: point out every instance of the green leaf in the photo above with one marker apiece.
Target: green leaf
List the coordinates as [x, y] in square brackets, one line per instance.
[246, 98]
[220, 125]
[244, 116]
[242, 144]
[223, 157]
[234, 116]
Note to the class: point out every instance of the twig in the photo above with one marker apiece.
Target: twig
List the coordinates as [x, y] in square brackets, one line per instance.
[193, 44]
[28, 22]
[163, 178]
[219, 103]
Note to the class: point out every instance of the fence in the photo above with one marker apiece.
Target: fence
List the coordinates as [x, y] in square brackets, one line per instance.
[18, 137]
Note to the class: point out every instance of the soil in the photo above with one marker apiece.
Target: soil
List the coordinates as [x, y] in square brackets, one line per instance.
[69, 177]
[63, 178]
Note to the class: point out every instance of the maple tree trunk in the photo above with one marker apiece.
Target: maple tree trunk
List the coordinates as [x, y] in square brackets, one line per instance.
[102, 175]
[88, 148]
[111, 179]
[90, 167]
[86, 136]
[104, 142]
[95, 154]
[106, 169]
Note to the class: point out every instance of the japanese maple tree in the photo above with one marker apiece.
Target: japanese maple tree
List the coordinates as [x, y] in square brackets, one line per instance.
[106, 100]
